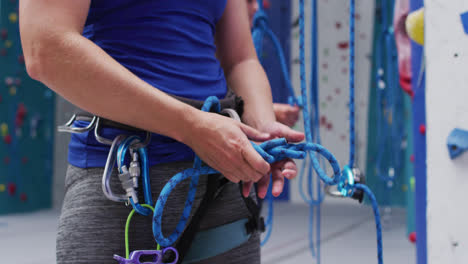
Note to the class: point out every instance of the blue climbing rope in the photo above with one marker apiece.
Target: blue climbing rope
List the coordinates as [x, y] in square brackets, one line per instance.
[351, 83]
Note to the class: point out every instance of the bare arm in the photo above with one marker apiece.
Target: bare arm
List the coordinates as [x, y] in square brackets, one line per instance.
[247, 78]
[74, 67]
[244, 72]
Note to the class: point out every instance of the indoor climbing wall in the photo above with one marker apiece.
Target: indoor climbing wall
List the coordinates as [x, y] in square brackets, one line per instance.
[333, 50]
[26, 125]
[446, 50]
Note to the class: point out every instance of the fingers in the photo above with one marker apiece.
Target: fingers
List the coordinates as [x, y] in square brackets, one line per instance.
[277, 180]
[254, 134]
[292, 135]
[289, 169]
[258, 165]
[262, 186]
[246, 186]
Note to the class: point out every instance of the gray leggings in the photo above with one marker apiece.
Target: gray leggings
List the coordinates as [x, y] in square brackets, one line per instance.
[91, 227]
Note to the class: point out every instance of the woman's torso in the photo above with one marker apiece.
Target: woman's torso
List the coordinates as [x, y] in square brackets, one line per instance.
[167, 43]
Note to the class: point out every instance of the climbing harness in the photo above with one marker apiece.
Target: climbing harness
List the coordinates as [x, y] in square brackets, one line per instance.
[194, 245]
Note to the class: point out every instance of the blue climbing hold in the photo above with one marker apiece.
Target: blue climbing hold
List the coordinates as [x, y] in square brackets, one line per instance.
[464, 19]
[457, 142]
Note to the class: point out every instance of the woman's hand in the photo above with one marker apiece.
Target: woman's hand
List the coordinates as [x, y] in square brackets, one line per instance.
[224, 145]
[279, 170]
[286, 114]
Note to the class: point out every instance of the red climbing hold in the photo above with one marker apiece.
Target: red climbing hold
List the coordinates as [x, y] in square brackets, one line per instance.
[6, 160]
[412, 158]
[343, 45]
[323, 120]
[20, 115]
[266, 4]
[3, 52]
[422, 129]
[4, 33]
[21, 59]
[24, 160]
[7, 139]
[412, 237]
[11, 189]
[23, 197]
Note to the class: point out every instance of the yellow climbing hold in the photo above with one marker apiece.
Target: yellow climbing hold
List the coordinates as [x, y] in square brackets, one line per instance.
[8, 44]
[13, 17]
[412, 183]
[415, 26]
[4, 129]
[12, 90]
[2, 187]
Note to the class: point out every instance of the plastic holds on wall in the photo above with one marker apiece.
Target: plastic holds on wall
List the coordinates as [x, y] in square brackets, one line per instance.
[2, 188]
[422, 129]
[12, 90]
[20, 115]
[23, 197]
[412, 237]
[7, 139]
[4, 129]
[464, 19]
[415, 26]
[9, 81]
[457, 142]
[13, 17]
[6, 160]
[4, 33]
[11, 189]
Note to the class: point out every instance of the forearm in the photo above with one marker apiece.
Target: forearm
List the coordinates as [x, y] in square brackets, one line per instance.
[248, 80]
[84, 74]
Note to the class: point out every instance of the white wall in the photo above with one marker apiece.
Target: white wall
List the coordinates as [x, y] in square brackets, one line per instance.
[333, 17]
[446, 108]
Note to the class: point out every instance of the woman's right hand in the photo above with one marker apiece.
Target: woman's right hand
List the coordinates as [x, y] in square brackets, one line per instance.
[224, 145]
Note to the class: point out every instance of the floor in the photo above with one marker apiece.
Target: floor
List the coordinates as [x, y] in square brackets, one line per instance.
[348, 235]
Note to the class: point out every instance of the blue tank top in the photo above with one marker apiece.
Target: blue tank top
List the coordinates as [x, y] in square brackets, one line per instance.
[167, 43]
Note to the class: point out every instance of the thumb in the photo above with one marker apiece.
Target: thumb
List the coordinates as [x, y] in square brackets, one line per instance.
[254, 134]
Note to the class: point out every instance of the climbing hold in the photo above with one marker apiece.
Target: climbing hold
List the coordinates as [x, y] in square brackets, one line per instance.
[24, 160]
[17, 81]
[457, 142]
[8, 44]
[9, 81]
[4, 129]
[412, 158]
[464, 19]
[2, 188]
[20, 115]
[23, 197]
[412, 184]
[6, 160]
[422, 129]
[7, 139]
[12, 90]
[21, 59]
[391, 172]
[415, 26]
[266, 4]
[412, 237]
[13, 17]
[4, 33]
[11, 189]
[343, 45]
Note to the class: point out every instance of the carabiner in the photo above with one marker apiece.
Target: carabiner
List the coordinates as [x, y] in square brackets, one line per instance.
[110, 163]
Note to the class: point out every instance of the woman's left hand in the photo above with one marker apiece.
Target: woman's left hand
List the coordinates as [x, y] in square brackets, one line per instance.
[279, 170]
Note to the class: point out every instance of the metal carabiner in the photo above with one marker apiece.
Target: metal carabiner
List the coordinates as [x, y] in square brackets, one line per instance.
[231, 113]
[110, 163]
[68, 127]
